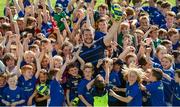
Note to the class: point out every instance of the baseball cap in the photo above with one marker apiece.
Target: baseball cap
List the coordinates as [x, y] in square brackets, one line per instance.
[58, 5]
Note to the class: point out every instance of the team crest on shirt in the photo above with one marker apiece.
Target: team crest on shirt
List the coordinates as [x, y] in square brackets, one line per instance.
[18, 96]
[30, 84]
[114, 80]
[95, 46]
[75, 83]
[8, 96]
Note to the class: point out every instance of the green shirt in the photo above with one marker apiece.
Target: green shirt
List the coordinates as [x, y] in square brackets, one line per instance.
[57, 18]
[101, 101]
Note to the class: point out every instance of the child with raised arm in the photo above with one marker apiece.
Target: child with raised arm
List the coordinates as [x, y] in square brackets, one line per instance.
[155, 88]
[13, 95]
[167, 62]
[133, 92]
[27, 80]
[98, 88]
[84, 95]
[175, 85]
[42, 91]
[57, 97]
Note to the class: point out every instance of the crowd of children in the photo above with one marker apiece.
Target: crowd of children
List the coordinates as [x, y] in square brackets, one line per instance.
[80, 53]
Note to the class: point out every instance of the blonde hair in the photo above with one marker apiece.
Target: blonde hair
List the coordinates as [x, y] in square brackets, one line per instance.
[169, 57]
[160, 47]
[133, 69]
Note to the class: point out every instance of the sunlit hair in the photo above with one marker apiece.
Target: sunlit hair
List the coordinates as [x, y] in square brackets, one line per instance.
[57, 57]
[133, 69]
[169, 57]
[89, 65]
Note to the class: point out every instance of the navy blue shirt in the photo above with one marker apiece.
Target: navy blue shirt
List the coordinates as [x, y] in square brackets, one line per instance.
[135, 92]
[166, 83]
[175, 46]
[82, 90]
[99, 34]
[1, 94]
[56, 94]
[64, 3]
[13, 95]
[176, 93]
[157, 93]
[27, 85]
[175, 9]
[72, 85]
[94, 53]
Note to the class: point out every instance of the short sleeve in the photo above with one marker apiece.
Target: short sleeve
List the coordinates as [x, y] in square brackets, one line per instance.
[68, 84]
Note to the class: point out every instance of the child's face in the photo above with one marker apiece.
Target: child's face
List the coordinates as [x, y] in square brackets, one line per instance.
[170, 19]
[45, 62]
[102, 11]
[174, 38]
[42, 77]
[177, 79]
[73, 71]
[116, 67]
[28, 73]
[66, 50]
[57, 63]
[152, 78]
[166, 64]
[29, 58]
[103, 26]
[10, 63]
[2, 81]
[131, 60]
[88, 73]
[12, 81]
[144, 23]
[127, 41]
[161, 53]
[132, 78]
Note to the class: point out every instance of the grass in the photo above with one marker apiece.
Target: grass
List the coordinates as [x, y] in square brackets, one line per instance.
[2, 4]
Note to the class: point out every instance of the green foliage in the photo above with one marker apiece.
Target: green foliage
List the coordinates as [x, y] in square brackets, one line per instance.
[2, 4]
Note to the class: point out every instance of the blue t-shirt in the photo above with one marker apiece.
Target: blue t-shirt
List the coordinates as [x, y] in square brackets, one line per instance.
[94, 53]
[135, 92]
[13, 95]
[176, 93]
[166, 83]
[114, 80]
[27, 85]
[56, 94]
[82, 90]
[1, 94]
[157, 93]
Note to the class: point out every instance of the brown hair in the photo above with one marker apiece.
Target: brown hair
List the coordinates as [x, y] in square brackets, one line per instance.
[104, 6]
[172, 31]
